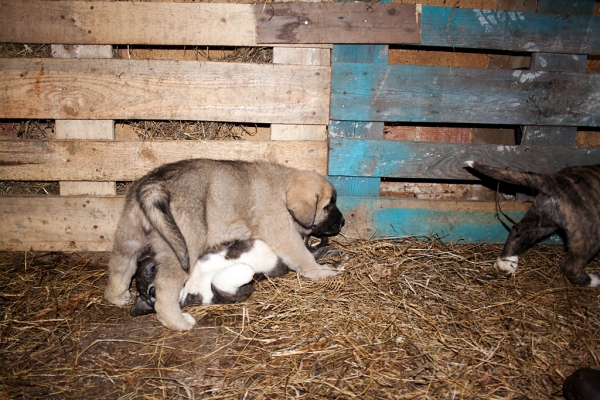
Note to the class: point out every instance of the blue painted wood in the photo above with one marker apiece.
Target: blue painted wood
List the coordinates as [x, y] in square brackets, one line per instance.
[441, 161]
[369, 55]
[374, 92]
[451, 221]
[508, 30]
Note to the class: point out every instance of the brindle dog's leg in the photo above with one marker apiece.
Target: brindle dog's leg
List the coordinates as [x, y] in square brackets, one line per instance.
[577, 257]
[536, 224]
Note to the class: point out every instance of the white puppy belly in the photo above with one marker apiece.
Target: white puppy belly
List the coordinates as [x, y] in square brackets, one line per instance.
[200, 279]
[260, 257]
[231, 278]
[508, 265]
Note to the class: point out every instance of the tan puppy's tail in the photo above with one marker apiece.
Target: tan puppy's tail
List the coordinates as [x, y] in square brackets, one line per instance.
[154, 200]
[523, 178]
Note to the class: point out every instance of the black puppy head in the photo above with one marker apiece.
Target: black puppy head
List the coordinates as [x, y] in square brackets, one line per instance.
[144, 283]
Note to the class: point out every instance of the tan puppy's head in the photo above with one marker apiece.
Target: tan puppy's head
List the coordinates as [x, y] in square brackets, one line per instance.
[311, 202]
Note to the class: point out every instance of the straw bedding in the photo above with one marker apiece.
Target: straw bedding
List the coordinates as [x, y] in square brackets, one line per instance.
[407, 319]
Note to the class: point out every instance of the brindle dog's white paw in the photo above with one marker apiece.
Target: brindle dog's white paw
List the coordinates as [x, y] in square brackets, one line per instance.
[508, 265]
[595, 282]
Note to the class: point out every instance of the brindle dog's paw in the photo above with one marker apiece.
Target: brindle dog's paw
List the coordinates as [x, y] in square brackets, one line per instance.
[595, 281]
[507, 265]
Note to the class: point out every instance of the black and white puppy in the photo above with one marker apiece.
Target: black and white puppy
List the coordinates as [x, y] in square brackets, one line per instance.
[568, 203]
[221, 275]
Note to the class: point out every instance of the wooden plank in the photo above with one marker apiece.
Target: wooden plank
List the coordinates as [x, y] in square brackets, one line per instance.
[509, 30]
[90, 160]
[347, 185]
[410, 93]
[439, 161]
[337, 23]
[162, 89]
[468, 221]
[58, 223]
[156, 23]
[300, 56]
[84, 129]
[68, 223]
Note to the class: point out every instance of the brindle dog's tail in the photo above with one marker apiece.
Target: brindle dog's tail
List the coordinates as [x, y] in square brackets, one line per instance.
[154, 200]
[529, 179]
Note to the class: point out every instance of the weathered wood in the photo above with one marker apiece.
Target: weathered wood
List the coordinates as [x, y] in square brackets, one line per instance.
[300, 56]
[566, 7]
[366, 92]
[89, 160]
[61, 223]
[160, 89]
[468, 221]
[347, 185]
[509, 30]
[68, 223]
[156, 23]
[439, 161]
[337, 23]
[84, 129]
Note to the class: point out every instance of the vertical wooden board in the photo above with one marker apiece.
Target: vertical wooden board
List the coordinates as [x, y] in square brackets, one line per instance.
[509, 30]
[84, 129]
[300, 56]
[337, 23]
[348, 185]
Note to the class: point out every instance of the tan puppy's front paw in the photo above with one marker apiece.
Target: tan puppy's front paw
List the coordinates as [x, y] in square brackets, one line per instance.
[185, 323]
[320, 273]
[119, 299]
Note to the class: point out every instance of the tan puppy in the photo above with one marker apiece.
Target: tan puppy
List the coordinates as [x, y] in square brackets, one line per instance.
[185, 208]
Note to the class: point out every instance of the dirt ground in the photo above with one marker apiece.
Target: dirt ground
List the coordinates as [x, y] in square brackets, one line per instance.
[407, 319]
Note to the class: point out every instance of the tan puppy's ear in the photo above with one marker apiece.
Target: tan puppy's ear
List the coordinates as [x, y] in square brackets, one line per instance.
[301, 198]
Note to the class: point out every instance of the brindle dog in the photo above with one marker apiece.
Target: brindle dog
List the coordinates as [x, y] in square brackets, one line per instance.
[567, 203]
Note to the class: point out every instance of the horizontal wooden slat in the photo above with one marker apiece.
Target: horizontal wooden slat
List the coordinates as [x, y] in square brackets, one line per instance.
[88, 160]
[337, 23]
[71, 223]
[63, 223]
[161, 89]
[367, 92]
[434, 160]
[468, 221]
[508, 30]
[157, 23]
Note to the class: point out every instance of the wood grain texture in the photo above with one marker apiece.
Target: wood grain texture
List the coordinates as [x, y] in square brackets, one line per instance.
[467, 221]
[68, 223]
[367, 92]
[509, 30]
[156, 23]
[440, 161]
[160, 89]
[62, 223]
[337, 23]
[349, 185]
[89, 160]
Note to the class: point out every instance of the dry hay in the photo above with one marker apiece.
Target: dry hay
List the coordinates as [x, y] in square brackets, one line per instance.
[190, 130]
[407, 319]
